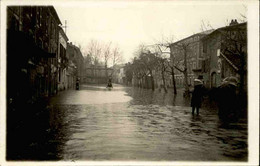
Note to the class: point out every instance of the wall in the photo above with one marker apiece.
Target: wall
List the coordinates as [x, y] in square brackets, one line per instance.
[37, 31]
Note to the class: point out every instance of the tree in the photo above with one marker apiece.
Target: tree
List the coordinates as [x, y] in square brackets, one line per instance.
[234, 45]
[94, 49]
[170, 69]
[170, 63]
[149, 62]
[177, 61]
[107, 55]
[128, 68]
[116, 56]
[159, 62]
[139, 71]
[163, 67]
[183, 49]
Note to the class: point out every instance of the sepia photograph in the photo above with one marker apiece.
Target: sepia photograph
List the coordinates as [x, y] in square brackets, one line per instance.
[130, 82]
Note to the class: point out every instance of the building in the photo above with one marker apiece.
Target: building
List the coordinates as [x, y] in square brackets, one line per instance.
[32, 42]
[224, 53]
[128, 72]
[96, 74]
[71, 75]
[118, 73]
[75, 56]
[121, 76]
[189, 47]
[63, 61]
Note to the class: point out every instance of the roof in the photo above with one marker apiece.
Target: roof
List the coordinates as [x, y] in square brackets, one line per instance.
[207, 32]
[234, 61]
[225, 29]
[77, 49]
[232, 26]
[55, 14]
[197, 34]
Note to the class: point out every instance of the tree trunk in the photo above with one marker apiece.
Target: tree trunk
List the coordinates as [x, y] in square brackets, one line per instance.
[163, 78]
[186, 93]
[173, 81]
[146, 82]
[106, 72]
[152, 80]
[173, 74]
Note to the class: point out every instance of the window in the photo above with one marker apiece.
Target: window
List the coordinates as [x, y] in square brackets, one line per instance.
[204, 47]
[59, 74]
[14, 24]
[200, 64]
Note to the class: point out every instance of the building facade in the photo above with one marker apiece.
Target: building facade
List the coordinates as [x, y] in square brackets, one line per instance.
[32, 42]
[118, 73]
[224, 53]
[121, 77]
[191, 47]
[75, 56]
[96, 74]
[63, 61]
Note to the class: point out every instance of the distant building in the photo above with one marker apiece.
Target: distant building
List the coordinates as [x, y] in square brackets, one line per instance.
[192, 46]
[75, 55]
[118, 73]
[224, 53]
[128, 72]
[121, 76]
[96, 74]
[71, 75]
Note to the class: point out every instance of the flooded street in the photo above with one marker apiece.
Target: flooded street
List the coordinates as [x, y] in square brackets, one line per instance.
[126, 82]
[128, 123]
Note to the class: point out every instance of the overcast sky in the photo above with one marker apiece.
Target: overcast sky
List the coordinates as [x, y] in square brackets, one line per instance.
[129, 24]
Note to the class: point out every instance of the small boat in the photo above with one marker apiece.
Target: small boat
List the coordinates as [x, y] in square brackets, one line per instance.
[109, 86]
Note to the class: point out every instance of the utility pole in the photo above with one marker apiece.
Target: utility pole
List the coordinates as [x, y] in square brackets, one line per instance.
[65, 27]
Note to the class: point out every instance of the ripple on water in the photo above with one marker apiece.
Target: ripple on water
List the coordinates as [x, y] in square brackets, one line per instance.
[109, 129]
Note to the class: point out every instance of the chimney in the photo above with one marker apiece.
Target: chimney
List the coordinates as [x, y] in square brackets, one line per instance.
[233, 22]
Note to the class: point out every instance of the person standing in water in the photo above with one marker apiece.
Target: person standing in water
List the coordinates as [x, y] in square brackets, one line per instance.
[197, 95]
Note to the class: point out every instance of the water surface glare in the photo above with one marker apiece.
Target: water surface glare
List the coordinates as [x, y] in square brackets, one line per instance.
[132, 124]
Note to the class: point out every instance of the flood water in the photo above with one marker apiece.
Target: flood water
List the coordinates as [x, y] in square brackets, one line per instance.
[132, 124]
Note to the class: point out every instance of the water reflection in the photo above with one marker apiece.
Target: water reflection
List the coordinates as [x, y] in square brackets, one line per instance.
[151, 123]
[144, 97]
[137, 124]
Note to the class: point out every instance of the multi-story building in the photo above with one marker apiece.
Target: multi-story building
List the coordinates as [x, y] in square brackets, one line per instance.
[191, 47]
[224, 53]
[74, 54]
[71, 75]
[98, 74]
[118, 73]
[32, 41]
[63, 61]
[121, 77]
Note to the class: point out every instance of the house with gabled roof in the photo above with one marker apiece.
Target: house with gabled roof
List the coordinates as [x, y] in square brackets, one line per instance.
[193, 58]
[224, 53]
